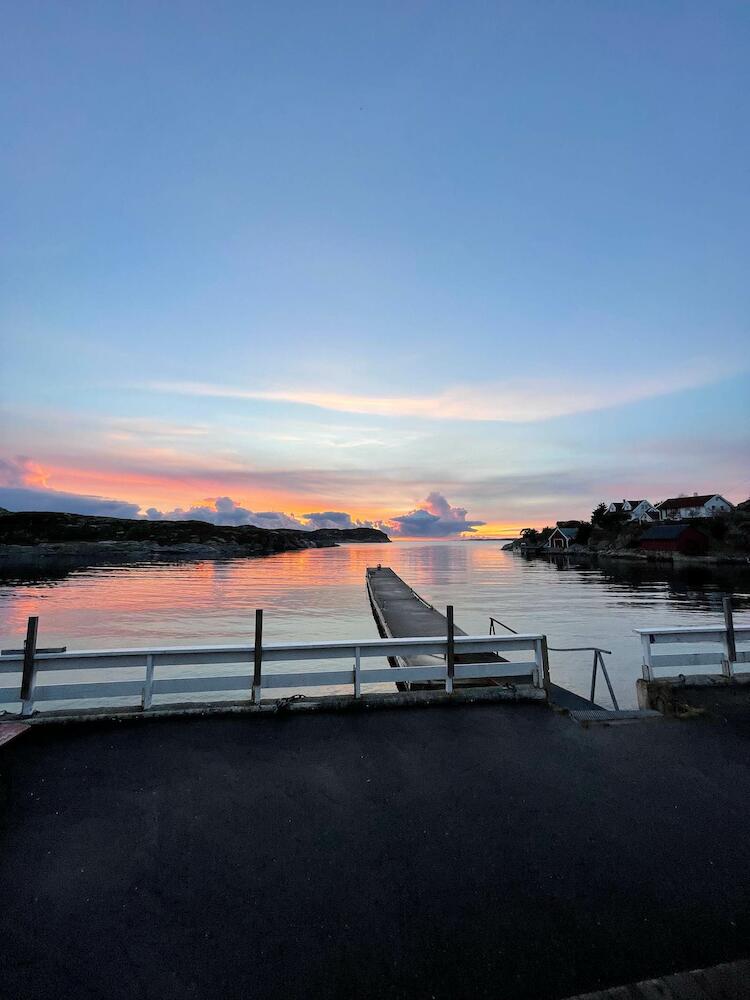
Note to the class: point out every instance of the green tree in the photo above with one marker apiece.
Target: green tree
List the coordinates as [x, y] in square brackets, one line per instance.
[598, 514]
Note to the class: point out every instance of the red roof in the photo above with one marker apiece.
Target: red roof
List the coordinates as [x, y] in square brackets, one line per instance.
[676, 503]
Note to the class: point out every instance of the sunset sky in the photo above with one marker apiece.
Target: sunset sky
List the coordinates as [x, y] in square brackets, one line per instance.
[464, 264]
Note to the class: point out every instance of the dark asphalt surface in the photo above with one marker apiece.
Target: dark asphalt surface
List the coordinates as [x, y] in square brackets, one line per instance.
[472, 851]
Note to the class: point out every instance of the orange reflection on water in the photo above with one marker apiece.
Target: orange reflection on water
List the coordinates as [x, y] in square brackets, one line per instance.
[319, 595]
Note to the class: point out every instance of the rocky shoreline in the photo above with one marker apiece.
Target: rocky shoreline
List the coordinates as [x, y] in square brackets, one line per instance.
[51, 541]
[633, 555]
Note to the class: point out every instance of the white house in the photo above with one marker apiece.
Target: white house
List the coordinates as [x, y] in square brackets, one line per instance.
[683, 508]
[639, 510]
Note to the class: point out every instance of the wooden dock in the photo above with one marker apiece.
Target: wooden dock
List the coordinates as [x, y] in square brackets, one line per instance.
[401, 613]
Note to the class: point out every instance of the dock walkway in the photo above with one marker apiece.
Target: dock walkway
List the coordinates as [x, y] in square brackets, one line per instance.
[401, 613]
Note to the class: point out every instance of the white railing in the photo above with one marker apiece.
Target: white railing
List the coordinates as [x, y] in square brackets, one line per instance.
[33, 686]
[726, 656]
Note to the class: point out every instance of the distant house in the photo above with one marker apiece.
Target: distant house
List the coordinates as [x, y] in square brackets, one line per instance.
[683, 508]
[638, 510]
[673, 538]
[561, 538]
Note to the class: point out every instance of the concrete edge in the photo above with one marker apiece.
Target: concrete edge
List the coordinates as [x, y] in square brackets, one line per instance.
[730, 979]
[297, 703]
[690, 694]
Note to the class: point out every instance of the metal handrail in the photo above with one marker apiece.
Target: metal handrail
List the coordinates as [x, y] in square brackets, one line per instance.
[598, 658]
[596, 650]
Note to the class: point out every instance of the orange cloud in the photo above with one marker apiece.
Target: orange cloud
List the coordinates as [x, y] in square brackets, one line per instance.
[22, 471]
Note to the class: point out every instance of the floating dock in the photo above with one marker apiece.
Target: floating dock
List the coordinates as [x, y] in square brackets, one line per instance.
[400, 613]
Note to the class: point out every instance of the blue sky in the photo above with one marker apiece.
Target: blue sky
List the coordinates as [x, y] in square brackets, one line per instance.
[340, 257]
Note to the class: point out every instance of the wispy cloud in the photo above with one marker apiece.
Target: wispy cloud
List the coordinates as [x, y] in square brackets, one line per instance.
[138, 428]
[512, 400]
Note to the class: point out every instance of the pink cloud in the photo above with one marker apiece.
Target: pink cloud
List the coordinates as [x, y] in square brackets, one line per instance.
[434, 519]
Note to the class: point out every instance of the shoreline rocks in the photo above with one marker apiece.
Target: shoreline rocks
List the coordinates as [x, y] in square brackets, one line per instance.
[61, 541]
[635, 555]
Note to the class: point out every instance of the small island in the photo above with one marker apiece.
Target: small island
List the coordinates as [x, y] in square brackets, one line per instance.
[46, 540]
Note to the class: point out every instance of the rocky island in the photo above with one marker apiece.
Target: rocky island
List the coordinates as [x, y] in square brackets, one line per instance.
[58, 542]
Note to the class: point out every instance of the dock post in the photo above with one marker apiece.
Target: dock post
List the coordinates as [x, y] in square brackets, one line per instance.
[258, 656]
[730, 644]
[450, 652]
[27, 677]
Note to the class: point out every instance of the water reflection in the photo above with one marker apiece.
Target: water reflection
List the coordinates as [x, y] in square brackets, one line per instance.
[319, 594]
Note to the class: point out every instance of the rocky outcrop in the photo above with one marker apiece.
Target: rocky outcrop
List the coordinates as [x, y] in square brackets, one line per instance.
[52, 539]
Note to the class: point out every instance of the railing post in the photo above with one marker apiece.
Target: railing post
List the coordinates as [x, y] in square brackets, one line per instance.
[258, 656]
[593, 676]
[545, 664]
[730, 645]
[27, 677]
[450, 661]
[606, 678]
[149, 682]
[357, 678]
[648, 672]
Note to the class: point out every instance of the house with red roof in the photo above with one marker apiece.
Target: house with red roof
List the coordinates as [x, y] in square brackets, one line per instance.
[683, 508]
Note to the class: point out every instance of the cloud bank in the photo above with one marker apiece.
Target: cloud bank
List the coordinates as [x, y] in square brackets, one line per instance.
[435, 519]
[225, 511]
[23, 488]
[335, 519]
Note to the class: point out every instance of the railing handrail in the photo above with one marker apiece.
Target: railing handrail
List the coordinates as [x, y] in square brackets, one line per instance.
[250, 680]
[580, 649]
[556, 649]
[693, 629]
[367, 647]
[728, 635]
[596, 650]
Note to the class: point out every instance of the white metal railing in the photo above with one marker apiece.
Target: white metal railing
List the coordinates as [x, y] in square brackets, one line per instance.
[33, 687]
[726, 656]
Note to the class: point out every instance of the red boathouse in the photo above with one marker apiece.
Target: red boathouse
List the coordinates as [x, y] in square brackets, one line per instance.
[682, 538]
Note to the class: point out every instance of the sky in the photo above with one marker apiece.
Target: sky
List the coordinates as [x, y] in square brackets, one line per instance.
[447, 267]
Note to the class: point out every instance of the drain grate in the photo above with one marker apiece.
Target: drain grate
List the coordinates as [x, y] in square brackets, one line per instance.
[602, 715]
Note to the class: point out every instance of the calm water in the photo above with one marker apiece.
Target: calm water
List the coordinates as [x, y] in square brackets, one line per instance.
[319, 594]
